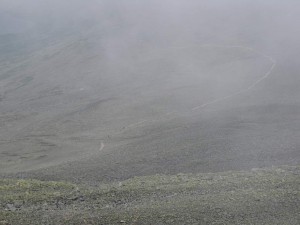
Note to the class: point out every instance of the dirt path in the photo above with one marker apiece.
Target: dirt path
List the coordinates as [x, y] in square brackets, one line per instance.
[101, 146]
[172, 115]
[202, 106]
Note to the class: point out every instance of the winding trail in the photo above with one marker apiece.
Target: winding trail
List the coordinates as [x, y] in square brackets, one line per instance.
[172, 115]
[196, 108]
[212, 102]
[101, 146]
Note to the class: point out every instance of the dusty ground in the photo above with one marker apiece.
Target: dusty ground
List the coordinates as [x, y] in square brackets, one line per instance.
[54, 108]
[147, 120]
[124, 97]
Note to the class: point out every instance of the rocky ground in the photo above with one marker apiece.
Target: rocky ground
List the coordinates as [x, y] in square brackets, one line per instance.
[262, 196]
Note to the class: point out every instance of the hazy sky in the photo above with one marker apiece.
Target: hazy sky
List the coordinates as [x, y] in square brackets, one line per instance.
[268, 24]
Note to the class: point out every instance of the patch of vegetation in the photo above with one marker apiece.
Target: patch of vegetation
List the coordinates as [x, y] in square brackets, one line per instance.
[32, 192]
[264, 196]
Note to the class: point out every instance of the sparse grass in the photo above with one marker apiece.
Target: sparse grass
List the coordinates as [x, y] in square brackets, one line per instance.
[265, 196]
[32, 192]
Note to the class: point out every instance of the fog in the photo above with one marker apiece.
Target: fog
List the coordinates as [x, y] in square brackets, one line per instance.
[104, 90]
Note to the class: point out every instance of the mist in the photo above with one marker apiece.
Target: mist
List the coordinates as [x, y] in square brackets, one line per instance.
[108, 90]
